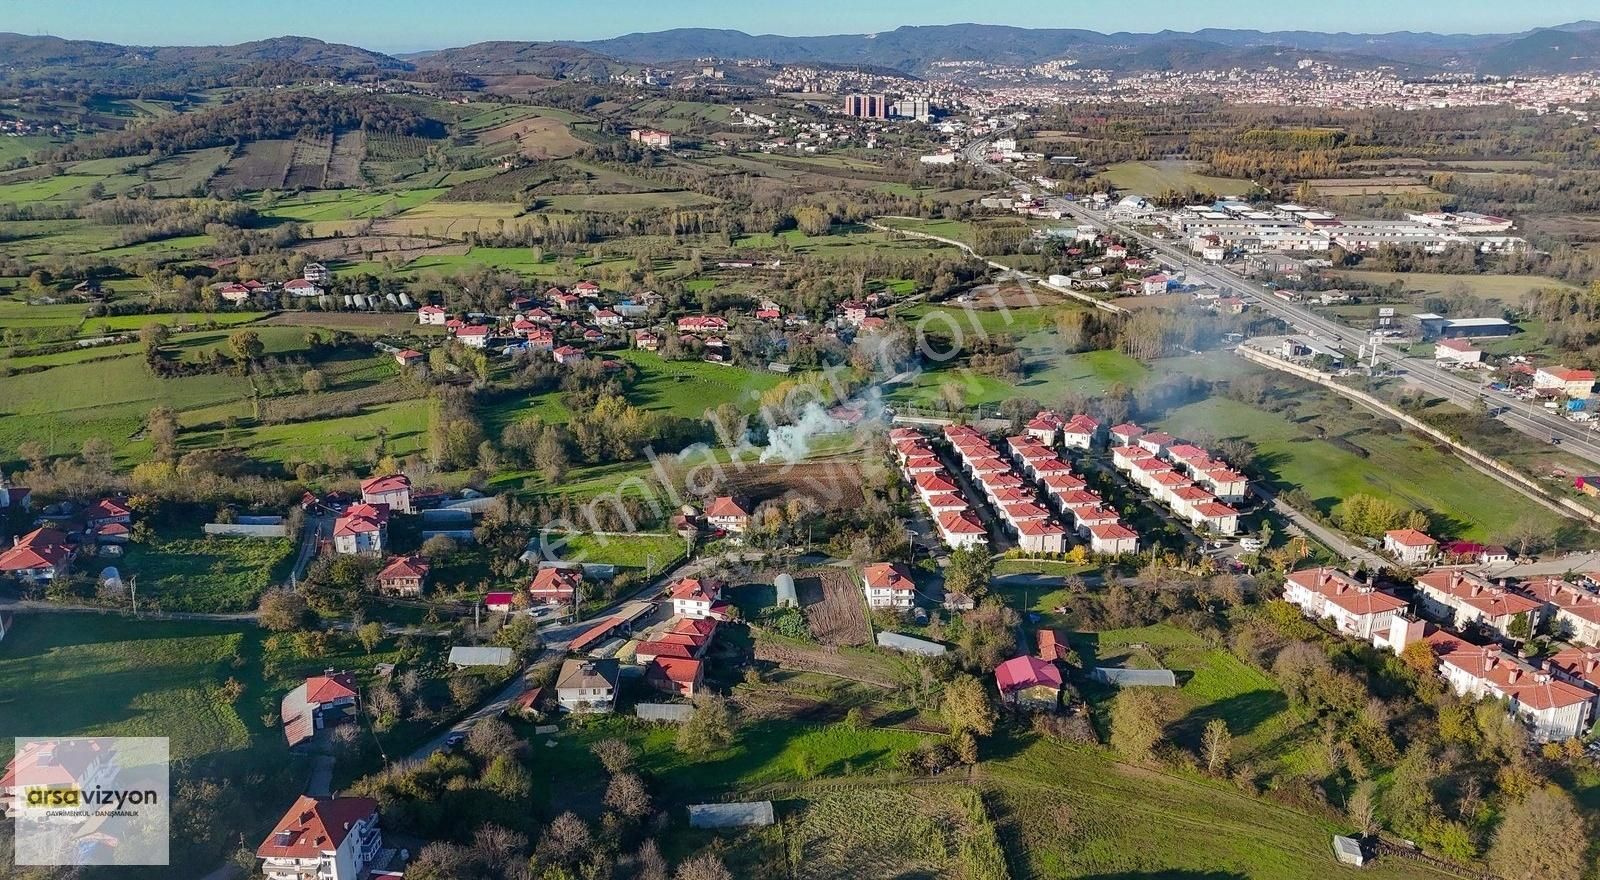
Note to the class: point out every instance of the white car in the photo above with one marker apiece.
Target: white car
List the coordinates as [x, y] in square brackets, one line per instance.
[1251, 545]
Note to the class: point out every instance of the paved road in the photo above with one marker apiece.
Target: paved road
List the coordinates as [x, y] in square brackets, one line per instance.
[1533, 422]
[1556, 565]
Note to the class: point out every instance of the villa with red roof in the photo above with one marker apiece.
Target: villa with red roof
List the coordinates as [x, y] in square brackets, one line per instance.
[962, 530]
[1460, 599]
[1573, 611]
[1080, 432]
[363, 530]
[38, 557]
[1045, 427]
[1029, 682]
[393, 490]
[1356, 609]
[1409, 546]
[702, 324]
[697, 598]
[555, 586]
[403, 576]
[729, 514]
[432, 315]
[325, 838]
[84, 763]
[679, 676]
[321, 701]
[1113, 539]
[1553, 709]
[888, 585]
[474, 335]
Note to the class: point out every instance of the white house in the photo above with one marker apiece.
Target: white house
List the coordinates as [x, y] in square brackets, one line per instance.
[695, 597]
[887, 585]
[393, 490]
[1356, 609]
[1553, 709]
[587, 685]
[1460, 599]
[1410, 546]
[432, 315]
[1456, 351]
[325, 838]
[363, 530]
[474, 335]
[1111, 539]
[962, 530]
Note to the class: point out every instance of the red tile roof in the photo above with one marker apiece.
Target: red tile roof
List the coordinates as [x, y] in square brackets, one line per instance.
[888, 576]
[312, 827]
[404, 567]
[726, 506]
[327, 688]
[385, 483]
[1410, 538]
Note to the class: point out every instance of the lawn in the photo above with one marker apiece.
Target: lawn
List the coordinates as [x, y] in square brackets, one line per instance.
[1332, 451]
[1153, 178]
[209, 574]
[1046, 378]
[1510, 289]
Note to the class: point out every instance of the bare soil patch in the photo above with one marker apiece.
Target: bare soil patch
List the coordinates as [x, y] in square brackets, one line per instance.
[834, 607]
[832, 484]
[344, 167]
[537, 137]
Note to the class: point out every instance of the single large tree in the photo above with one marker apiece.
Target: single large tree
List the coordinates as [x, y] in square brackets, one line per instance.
[969, 571]
[967, 708]
[1529, 844]
[1138, 722]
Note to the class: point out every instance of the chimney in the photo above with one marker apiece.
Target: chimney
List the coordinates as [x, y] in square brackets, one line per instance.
[1477, 588]
[1513, 675]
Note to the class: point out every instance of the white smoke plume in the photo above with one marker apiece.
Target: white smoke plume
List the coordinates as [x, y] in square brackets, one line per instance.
[792, 442]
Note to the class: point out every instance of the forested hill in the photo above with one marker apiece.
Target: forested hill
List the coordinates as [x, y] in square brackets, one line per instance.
[275, 114]
[33, 60]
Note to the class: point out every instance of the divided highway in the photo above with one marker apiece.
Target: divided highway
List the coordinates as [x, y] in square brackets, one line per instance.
[1536, 423]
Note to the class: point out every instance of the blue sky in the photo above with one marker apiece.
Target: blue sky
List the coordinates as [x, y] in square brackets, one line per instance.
[404, 25]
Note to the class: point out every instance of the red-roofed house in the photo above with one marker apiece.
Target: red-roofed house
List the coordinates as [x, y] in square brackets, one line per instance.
[729, 514]
[1080, 432]
[318, 702]
[694, 597]
[1125, 434]
[393, 490]
[106, 511]
[1053, 646]
[1553, 709]
[962, 529]
[409, 357]
[1216, 517]
[702, 324]
[75, 762]
[363, 530]
[403, 576]
[38, 557]
[1460, 599]
[431, 315]
[567, 354]
[1029, 682]
[325, 838]
[474, 335]
[1573, 611]
[887, 585]
[1357, 609]
[555, 586]
[1041, 536]
[1409, 546]
[500, 600]
[1045, 427]
[682, 676]
[1112, 539]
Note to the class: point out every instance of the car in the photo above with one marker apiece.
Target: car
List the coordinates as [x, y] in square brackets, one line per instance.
[1555, 441]
[1251, 545]
[454, 741]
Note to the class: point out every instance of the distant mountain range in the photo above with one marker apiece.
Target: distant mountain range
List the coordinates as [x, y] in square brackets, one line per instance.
[912, 50]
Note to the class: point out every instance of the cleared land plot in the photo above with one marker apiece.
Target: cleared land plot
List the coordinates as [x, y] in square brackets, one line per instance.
[640, 552]
[839, 832]
[344, 166]
[448, 219]
[537, 137]
[1380, 186]
[308, 164]
[102, 675]
[1171, 174]
[1067, 813]
[846, 242]
[1510, 289]
[260, 165]
[210, 574]
[345, 205]
[832, 484]
[605, 202]
[834, 606]
[1332, 451]
[689, 388]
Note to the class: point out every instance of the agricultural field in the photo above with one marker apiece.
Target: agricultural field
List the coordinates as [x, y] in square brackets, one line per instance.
[259, 165]
[1346, 187]
[1152, 178]
[689, 388]
[604, 202]
[1509, 289]
[1332, 450]
[833, 604]
[832, 483]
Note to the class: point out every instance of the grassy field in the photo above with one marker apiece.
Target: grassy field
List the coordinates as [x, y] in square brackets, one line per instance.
[689, 388]
[1510, 289]
[1047, 377]
[1155, 177]
[1333, 451]
[640, 552]
[208, 574]
[102, 676]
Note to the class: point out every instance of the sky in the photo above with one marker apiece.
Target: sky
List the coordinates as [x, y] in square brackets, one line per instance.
[410, 25]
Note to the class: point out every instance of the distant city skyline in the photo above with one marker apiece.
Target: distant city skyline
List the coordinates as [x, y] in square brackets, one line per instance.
[414, 25]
